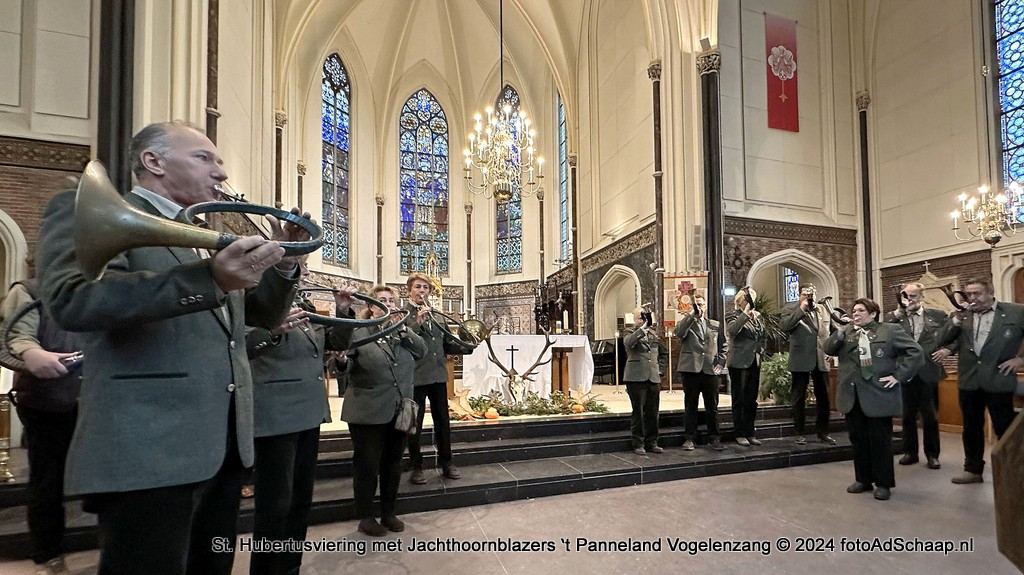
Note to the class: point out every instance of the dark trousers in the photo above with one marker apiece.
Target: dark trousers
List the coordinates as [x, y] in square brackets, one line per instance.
[645, 397]
[285, 470]
[872, 447]
[745, 384]
[180, 529]
[47, 435]
[800, 381]
[972, 406]
[437, 393]
[376, 453]
[919, 398]
[696, 385]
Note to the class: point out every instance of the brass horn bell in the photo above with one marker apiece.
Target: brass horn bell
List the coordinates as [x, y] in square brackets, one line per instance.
[106, 225]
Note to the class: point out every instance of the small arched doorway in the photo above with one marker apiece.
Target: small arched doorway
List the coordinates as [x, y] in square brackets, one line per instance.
[617, 294]
[777, 275]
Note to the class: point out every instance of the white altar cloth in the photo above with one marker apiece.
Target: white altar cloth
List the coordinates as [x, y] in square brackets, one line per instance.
[481, 376]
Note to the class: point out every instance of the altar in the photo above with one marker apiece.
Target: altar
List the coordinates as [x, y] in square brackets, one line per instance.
[572, 359]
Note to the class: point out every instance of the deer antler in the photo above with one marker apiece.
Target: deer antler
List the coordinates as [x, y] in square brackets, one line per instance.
[495, 360]
[548, 342]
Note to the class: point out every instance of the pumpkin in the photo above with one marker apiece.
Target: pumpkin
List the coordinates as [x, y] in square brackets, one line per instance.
[577, 408]
[491, 413]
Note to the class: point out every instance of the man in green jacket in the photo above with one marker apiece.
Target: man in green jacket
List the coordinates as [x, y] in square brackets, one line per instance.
[989, 335]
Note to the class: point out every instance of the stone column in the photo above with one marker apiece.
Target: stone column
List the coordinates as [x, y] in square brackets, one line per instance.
[577, 284]
[863, 101]
[212, 53]
[280, 119]
[116, 87]
[708, 65]
[380, 239]
[300, 169]
[469, 256]
[654, 73]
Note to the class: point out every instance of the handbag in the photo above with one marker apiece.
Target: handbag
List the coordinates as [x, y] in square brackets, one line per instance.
[405, 421]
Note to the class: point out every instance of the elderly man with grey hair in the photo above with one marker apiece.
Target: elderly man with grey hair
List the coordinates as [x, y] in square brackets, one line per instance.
[920, 394]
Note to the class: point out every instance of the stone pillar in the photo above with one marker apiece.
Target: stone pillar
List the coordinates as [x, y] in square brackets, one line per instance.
[380, 239]
[708, 65]
[469, 256]
[212, 44]
[577, 284]
[654, 73]
[116, 86]
[280, 119]
[863, 101]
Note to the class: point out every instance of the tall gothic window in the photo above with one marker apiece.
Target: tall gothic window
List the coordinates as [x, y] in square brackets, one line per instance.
[423, 185]
[563, 185]
[1009, 36]
[790, 285]
[510, 213]
[336, 136]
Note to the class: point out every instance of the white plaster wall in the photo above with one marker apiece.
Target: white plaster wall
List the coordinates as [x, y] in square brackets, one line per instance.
[47, 62]
[806, 176]
[929, 119]
[623, 196]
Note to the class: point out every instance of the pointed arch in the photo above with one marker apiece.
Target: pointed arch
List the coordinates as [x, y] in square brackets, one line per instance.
[509, 214]
[423, 184]
[616, 294]
[335, 159]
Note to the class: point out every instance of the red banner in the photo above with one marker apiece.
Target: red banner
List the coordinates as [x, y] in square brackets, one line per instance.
[780, 57]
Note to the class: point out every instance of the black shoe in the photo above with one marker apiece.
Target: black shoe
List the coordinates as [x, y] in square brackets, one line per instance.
[826, 438]
[452, 472]
[882, 493]
[372, 528]
[933, 463]
[717, 445]
[800, 440]
[858, 487]
[754, 441]
[393, 523]
[967, 477]
[417, 477]
[656, 449]
[908, 459]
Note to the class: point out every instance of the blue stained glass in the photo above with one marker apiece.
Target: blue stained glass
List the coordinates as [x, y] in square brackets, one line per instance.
[791, 282]
[423, 182]
[1014, 165]
[1009, 17]
[1011, 91]
[1013, 128]
[336, 138]
[509, 216]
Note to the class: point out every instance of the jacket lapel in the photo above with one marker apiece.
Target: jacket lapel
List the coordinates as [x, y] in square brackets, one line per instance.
[998, 315]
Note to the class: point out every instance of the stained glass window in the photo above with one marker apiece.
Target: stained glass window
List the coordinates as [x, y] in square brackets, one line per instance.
[790, 285]
[563, 185]
[336, 133]
[510, 213]
[1009, 36]
[423, 185]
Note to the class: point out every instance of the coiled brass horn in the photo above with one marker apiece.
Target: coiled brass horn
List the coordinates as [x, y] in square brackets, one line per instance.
[471, 331]
[106, 225]
[837, 314]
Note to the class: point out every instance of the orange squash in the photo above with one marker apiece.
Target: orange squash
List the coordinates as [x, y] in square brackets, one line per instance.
[491, 413]
[577, 408]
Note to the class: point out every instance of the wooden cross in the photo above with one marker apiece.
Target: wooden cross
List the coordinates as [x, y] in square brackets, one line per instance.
[512, 349]
[926, 265]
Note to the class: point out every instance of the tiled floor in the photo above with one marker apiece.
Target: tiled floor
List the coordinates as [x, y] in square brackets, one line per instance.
[763, 506]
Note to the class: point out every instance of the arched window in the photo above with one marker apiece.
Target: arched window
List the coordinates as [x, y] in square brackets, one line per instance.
[336, 136]
[510, 213]
[1009, 36]
[423, 185]
[565, 246]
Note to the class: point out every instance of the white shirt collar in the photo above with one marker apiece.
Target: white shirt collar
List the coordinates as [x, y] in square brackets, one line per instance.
[167, 208]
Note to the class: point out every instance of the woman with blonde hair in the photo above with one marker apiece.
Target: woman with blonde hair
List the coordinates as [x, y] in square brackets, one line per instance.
[378, 388]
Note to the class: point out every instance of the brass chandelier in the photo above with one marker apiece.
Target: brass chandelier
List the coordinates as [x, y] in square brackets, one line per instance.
[987, 216]
[501, 146]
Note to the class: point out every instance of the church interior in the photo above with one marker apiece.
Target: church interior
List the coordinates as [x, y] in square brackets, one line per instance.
[663, 149]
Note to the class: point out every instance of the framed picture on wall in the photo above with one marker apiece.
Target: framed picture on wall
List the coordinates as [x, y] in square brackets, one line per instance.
[678, 291]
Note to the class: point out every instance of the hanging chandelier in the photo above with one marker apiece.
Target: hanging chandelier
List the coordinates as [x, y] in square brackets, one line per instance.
[989, 217]
[501, 149]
